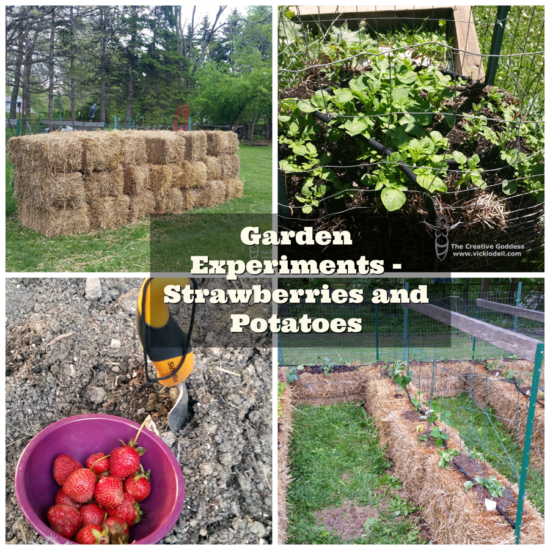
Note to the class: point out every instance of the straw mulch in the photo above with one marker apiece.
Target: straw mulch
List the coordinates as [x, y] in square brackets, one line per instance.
[195, 145]
[141, 206]
[51, 190]
[100, 151]
[133, 150]
[337, 387]
[104, 184]
[109, 212]
[234, 188]
[195, 174]
[511, 408]
[164, 147]
[283, 467]
[169, 202]
[136, 179]
[454, 516]
[213, 168]
[47, 153]
[58, 221]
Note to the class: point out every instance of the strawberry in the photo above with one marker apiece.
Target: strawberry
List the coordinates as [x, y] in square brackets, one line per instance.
[119, 532]
[92, 534]
[63, 467]
[80, 485]
[109, 492]
[92, 513]
[62, 498]
[124, 460]
[95, 463]
[129, 510]
[64, 520]
[138, 485]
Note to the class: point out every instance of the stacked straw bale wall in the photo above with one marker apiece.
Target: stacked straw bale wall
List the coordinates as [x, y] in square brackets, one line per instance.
[71, 183]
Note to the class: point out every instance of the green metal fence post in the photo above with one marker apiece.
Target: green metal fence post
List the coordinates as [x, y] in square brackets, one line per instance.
[528, 434]
[60, 119]
[405, 323]
[518, 301]
[130, 124]
[474, 341]
[376, 332]
[18, 127]
[116, 123]
[496, 44]
[280, 349]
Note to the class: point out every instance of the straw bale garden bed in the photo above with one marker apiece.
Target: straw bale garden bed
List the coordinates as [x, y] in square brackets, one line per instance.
[384, 132]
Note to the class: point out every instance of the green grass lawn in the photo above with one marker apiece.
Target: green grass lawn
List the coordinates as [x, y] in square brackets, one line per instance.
[487, 435]
[335, 459]
[127, 249]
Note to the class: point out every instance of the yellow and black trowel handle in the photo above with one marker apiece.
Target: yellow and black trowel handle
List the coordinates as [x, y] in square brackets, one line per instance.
[162, 338]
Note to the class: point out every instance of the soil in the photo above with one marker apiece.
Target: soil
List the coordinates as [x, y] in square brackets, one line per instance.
[468, 465]
[430, 441]
[347, 521]
[335, 368]
[225, 448]
[413, 416]
[401, 235]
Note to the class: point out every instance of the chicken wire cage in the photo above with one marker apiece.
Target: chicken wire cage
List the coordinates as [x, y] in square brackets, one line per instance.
[421, 131]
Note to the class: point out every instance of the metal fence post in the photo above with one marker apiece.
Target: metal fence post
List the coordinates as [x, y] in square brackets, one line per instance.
[496, 44]
[376, 332]
[280, 349]
[116, 122]
[518, 301]
[130, 124]
[18, 127]
[405, 323]
[528, 434]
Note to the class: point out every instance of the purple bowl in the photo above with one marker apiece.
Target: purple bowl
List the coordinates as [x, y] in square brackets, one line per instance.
[80, 436]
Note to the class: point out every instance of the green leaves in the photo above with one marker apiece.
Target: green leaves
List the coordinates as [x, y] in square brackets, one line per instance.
[460, 158]
[305, 107]
[343, 96]
[356, 126]
[393, 199]
[407, 78]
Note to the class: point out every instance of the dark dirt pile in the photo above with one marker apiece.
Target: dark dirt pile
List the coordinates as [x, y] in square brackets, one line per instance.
[70, 354]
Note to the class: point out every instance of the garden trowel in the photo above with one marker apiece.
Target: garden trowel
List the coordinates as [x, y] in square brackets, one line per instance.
[165, 343]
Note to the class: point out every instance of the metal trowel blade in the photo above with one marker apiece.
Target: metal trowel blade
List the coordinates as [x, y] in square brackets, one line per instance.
[178, 414]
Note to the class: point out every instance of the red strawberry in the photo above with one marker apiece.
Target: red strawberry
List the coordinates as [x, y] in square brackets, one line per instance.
[109, 492]
[92, 513]
[92, 534]
[119, 532]
[63, 467]
[62, 498]
[129, 510]
[80, 485]
[138, 486]
[64, 520]
[124, 460]
[95, 463]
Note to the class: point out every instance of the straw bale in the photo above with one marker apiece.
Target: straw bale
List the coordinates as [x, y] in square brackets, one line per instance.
[100, 151]
[196, 197]
[226, 166]
[104, 184]
[213, 168]
[195, 145]
[136, 179]
[329, 388]
[523, 366]
[109, 212]
[47, 153]
[216, 143]
[133, 149]
[232, 143]
[160, 177]
[51, 190]
[169, 202]
[164, 147]
[141, 206]
[234, 189]
[58, 221]
[194, 174]
[283, 465]
[235, 166]
[448, 379]
[188, 196]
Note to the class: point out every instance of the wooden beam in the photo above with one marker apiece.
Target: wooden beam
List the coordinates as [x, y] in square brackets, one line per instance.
[468, 62]
[512, 310]
[512, 342]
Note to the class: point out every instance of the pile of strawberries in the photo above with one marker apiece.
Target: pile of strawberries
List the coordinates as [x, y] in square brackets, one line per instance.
[98, 504]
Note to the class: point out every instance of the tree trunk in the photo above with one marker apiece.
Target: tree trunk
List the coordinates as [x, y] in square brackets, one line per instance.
[27, 69]
[16, 80]
[102, 100]
[484, 290]
[131, 69]
[72, 56]
[51, 69]
[250, 135]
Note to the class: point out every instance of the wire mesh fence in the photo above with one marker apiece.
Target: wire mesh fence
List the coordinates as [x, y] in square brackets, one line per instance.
[390, 127]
